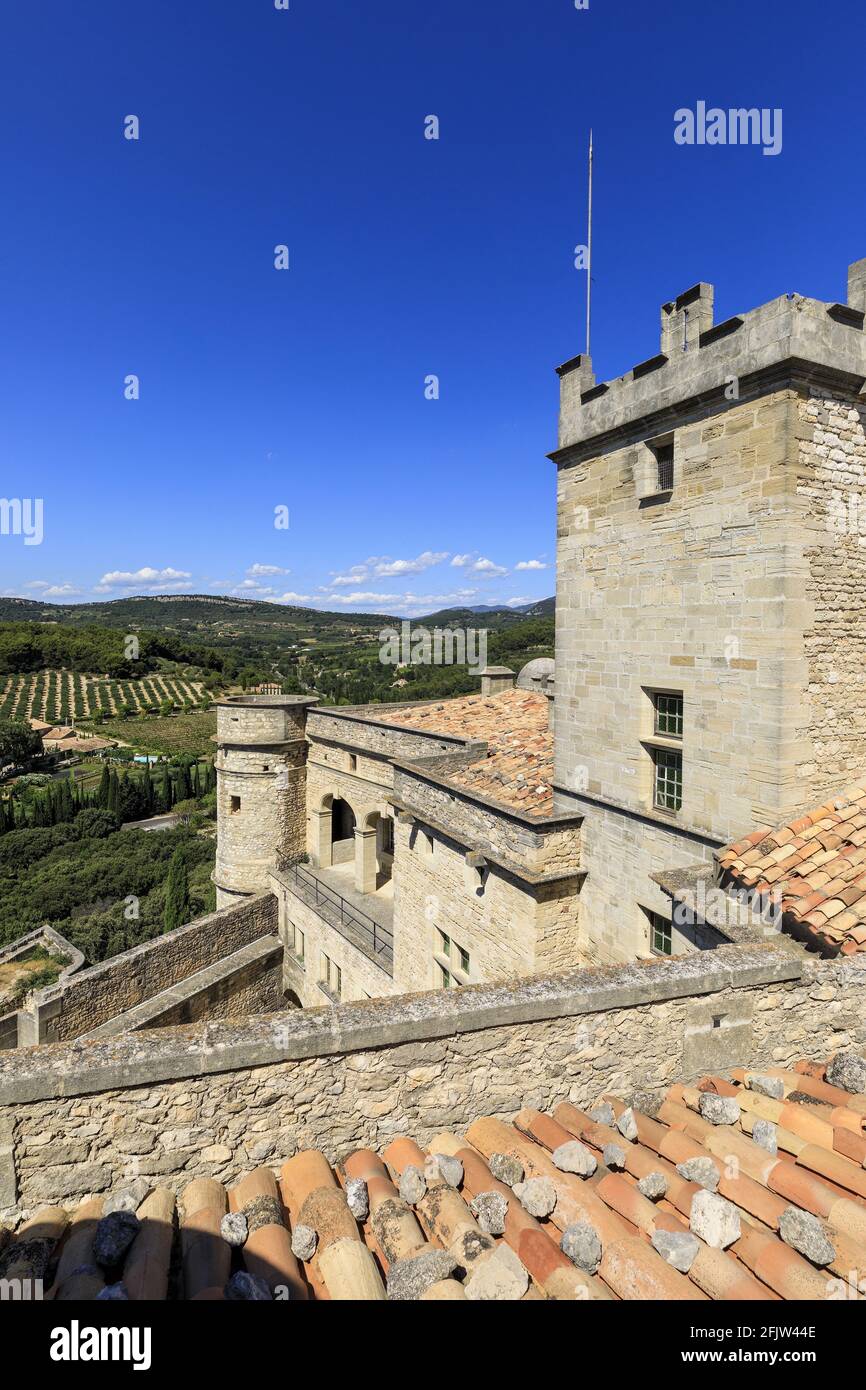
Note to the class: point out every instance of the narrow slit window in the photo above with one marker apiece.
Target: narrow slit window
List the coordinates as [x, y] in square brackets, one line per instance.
[665, 466]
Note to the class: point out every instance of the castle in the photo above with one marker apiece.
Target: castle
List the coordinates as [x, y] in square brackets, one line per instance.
[551, 889]
[710, 647]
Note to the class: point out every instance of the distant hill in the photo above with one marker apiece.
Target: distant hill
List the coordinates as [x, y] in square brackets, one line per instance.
[495, 615]
[205, 615]
[208, 616]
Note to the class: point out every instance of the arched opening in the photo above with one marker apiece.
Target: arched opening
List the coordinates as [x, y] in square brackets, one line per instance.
[375, 852]
[342, 831]
[291, 999]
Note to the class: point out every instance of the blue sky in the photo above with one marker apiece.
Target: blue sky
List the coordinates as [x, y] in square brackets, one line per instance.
[305, 388]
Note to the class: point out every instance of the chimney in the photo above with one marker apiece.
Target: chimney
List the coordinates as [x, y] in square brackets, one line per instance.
[495, 679]
[857, 285]
[685, 318]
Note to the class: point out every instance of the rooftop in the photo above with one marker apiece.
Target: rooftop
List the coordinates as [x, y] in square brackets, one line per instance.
[501, 720]
[517, 769]
[749, 1186]
[519, 773]
[817, 863]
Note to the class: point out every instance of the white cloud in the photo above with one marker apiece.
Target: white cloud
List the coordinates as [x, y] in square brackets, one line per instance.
[359, 597]
[48, 590]
[252, 586]
[488, 568]
[530, 565]
[60, 591]
[384, 567]
[424, 561]
[294, 598]
[409, 604]
[146, 578]
[517, 602]
[265, 571]
[356, 575]
[479, 565]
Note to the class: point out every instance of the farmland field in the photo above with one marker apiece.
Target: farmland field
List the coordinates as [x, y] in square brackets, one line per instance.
[189, 732]
[59, 697]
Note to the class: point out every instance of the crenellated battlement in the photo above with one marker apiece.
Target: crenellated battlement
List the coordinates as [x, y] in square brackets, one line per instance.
[792, 338]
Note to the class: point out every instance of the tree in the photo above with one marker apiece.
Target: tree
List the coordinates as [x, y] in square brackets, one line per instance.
[177, 905]
[94, 824]
[18, 742]
[104, 783]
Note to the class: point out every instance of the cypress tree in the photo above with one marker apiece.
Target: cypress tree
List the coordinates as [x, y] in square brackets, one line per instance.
[113, 788]
[147, 790]
[177, 905]
[104, 782]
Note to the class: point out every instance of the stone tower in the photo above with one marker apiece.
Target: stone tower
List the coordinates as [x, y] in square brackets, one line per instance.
[261, 789]
[711, 571]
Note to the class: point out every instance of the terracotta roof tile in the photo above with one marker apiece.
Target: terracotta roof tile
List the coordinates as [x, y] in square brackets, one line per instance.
[816, 863]
[518, 767]
[425, 1238]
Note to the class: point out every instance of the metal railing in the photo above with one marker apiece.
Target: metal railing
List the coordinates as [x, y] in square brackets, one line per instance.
[357, 926]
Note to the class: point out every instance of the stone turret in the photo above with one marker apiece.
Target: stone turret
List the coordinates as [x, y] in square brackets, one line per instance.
[261, 789]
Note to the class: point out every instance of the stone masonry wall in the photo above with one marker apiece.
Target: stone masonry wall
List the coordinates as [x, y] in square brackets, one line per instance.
[362, 977]
[255, 989]
[683, 594]
[620, 853]
[219, 1100]
[540, 848]
[500, 922]
[92, 997]
[832, 481]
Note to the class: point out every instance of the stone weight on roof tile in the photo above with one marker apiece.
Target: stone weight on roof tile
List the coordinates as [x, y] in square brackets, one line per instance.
[714, 1220]
[581, 1244]
[113, 1237]
[575, 1157]
[702, 1171]
[847, 1071]
[678, 1248]
[771, 1086]
[413, 1185]
[411, 1278]
[490, 1210]
[304, 1242]
[537, 1195]
[653, 1186]
[358, 1198]
[603, 1114]
[626, 1125]
[234, 1228]
[506, 1168]
[805, 1233]
[720, 1110]
[247, 1288]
